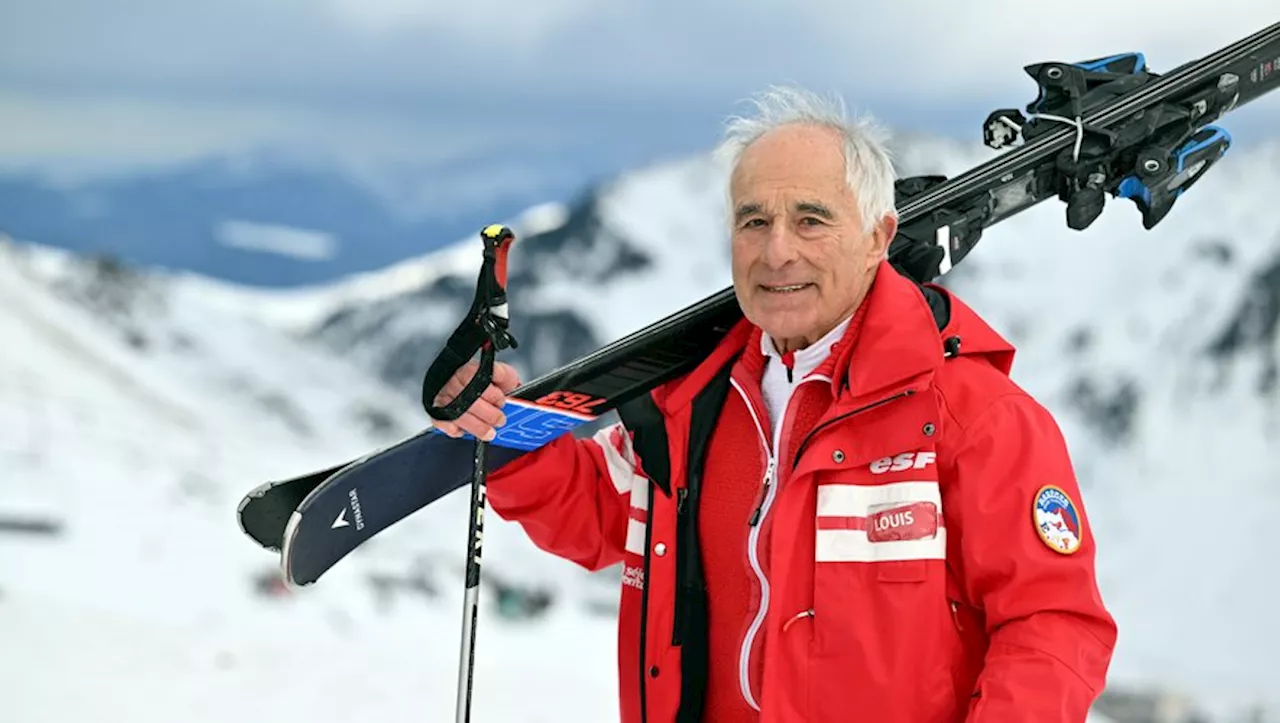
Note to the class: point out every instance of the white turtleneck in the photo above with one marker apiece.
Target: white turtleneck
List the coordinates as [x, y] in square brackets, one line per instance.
[776, 386]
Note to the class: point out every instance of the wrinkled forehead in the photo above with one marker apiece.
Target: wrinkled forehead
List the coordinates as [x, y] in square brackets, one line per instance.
[811, 158]
[789, 187]
[799, 151]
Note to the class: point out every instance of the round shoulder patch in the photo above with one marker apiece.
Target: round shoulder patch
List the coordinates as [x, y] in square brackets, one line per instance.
[1056, 520]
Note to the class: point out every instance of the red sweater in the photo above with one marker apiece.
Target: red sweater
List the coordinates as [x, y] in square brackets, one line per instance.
[724, 513]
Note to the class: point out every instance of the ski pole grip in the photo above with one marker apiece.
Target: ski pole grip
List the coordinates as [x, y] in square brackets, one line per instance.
[484, 329]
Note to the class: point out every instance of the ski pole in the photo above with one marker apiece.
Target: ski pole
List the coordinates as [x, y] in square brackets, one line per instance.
[484, 329]
[471, 598]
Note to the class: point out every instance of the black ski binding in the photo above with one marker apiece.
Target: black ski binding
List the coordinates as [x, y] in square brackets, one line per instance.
[1163, 172]
[1151, 158]
[1068, 91]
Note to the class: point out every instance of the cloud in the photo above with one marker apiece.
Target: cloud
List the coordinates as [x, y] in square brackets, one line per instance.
[304, 244]
[410, 48]
[414, 73]
[497, 27]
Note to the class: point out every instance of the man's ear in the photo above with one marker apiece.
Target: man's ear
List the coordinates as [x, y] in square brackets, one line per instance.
[881, 237]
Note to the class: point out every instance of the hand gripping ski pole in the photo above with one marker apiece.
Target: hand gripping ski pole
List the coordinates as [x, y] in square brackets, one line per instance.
[484, 330]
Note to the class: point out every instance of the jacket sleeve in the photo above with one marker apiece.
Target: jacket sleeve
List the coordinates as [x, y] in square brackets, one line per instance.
[1051, 637]
[572, 497]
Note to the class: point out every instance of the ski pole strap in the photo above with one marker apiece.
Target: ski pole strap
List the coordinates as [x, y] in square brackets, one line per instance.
[484, 329]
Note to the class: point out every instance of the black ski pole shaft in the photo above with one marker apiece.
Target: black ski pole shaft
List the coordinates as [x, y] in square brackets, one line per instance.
[483, 330]
[471, 599]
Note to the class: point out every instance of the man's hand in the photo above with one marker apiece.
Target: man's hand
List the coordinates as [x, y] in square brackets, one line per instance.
[484, 416]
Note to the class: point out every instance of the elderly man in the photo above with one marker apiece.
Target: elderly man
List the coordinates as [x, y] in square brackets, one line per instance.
[848, 511]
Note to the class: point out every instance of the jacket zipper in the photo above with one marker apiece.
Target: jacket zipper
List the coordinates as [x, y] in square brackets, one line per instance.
[762, 497]
[767, 487]
[682, 547]
[768, 491]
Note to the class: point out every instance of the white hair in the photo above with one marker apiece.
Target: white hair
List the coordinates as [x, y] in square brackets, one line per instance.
[868, 162]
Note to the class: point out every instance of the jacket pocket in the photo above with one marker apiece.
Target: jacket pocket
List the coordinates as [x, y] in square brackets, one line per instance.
[884, 644]
[902, 570]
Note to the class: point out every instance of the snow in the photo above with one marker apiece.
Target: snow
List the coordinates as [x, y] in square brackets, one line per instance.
[117, 666]
[148, 604]
[687, 238]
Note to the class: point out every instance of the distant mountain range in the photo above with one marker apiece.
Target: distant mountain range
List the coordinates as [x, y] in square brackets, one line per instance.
[257, 219]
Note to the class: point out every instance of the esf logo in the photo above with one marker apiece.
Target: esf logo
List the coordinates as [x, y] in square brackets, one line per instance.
[903, 462]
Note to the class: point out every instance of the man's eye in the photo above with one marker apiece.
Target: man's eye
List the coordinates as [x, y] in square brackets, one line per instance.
[753, 223]
[811, 221]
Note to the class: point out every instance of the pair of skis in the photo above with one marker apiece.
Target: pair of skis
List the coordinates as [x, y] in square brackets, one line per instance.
[1107, 126]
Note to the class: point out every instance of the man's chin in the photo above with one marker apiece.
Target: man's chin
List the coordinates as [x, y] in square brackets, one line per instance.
[783, 326]
[790, 307]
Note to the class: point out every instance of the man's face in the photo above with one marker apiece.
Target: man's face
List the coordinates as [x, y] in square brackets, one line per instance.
[801, 262]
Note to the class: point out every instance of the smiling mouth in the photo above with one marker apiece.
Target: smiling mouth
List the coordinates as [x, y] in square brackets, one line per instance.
[785, 288]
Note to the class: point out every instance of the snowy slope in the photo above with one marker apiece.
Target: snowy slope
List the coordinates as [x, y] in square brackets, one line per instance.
[135, 427]
[1157, 351]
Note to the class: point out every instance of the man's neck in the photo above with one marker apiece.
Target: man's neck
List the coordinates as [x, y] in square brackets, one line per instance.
[798, 343]
[795, 344]
[811, 350]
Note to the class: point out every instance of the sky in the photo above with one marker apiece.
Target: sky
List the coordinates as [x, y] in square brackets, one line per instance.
[91, 86]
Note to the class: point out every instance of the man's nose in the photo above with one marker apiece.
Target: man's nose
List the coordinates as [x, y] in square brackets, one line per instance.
[780, 247]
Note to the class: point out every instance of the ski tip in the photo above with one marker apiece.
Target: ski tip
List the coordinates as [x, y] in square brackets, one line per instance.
[249, 497]
[255, 493]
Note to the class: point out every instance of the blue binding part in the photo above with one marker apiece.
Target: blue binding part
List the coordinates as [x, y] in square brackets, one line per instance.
[530, 426]
[1135, 188]
[1193, 146]
[1102, 63]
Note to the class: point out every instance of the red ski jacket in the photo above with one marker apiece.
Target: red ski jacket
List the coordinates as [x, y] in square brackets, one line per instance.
[923, 555]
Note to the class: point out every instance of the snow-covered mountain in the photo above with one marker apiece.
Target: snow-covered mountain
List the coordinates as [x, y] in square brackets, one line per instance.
[134, 413]
[613, 260]
[1157, 350]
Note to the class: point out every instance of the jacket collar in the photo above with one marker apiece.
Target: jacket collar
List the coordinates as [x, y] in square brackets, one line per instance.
[897, 340]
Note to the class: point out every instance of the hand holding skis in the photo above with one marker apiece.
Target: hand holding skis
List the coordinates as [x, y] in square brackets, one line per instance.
[485, 415]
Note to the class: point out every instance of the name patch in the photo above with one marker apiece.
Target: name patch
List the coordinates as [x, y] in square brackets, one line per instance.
[902, 521]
